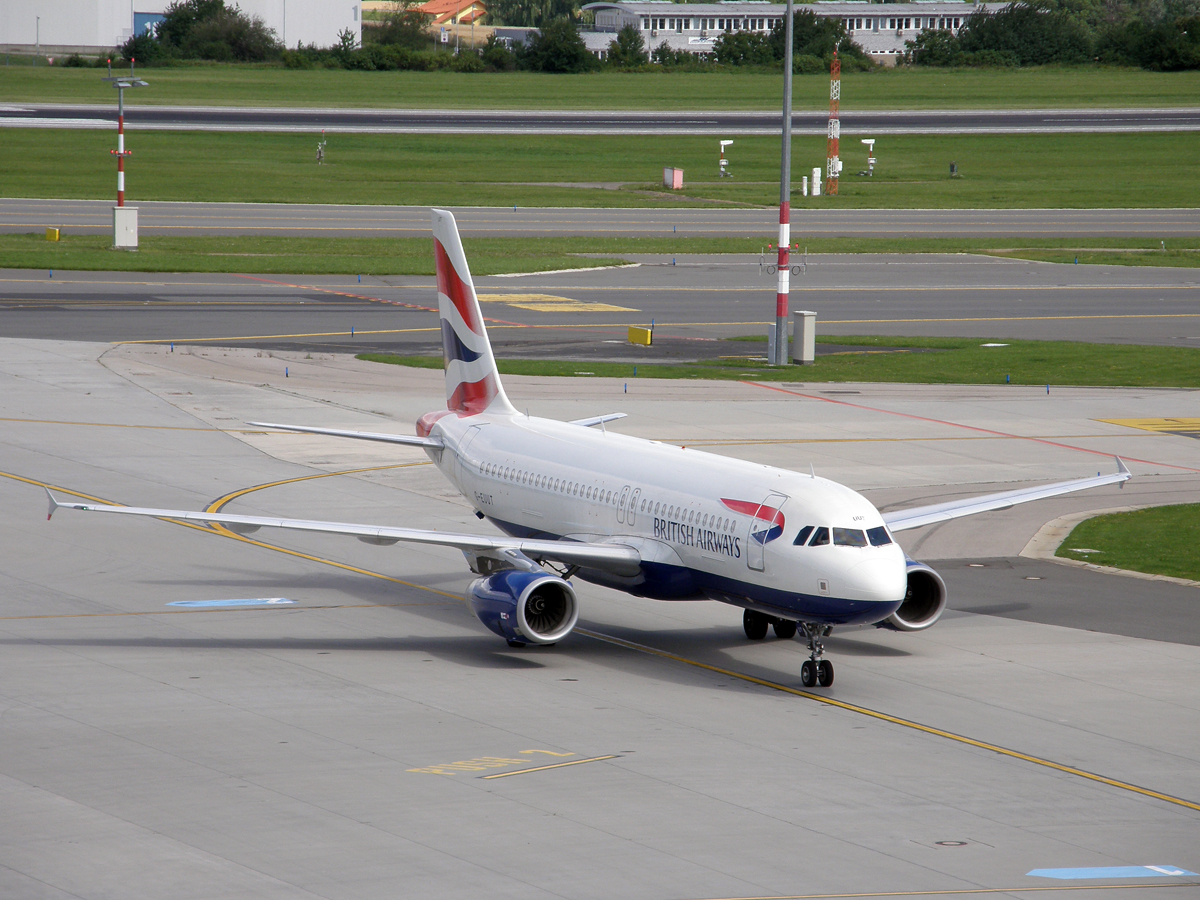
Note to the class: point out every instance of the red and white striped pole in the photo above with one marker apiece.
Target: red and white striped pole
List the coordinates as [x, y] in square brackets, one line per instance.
[120, 153]
[784, 265]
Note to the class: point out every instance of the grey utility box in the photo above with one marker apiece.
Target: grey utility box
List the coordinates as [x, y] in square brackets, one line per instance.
[125, 227]
[804, 336]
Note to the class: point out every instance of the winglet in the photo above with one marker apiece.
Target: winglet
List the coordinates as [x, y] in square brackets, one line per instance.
[54, 504]
[1123, 470]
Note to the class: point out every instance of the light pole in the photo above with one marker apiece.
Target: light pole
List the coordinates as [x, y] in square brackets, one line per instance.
[784, 265]
[124, 222]
[37, 38]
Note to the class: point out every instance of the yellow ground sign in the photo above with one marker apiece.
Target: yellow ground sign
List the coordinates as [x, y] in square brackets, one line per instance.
[551, 303]
[1184, 427]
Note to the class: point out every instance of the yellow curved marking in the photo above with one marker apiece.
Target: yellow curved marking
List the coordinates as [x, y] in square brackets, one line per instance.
[894, 720]
[216, 505]
[220, 502]
[574, 762]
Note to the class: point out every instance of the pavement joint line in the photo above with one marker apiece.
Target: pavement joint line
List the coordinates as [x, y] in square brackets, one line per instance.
[951, 892]
[121, 425]
[988, 431]
[662, 654]
[893, 720]
[574, 762]
[192, 612]
[498, 324]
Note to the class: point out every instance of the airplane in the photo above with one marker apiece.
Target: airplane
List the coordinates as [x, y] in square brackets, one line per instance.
[794, 551]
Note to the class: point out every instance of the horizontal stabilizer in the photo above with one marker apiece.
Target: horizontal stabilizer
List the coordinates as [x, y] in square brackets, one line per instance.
[903, 519]
[597, 420]
[411, 440]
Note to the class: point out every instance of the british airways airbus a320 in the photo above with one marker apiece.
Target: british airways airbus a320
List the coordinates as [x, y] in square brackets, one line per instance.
[794, 551]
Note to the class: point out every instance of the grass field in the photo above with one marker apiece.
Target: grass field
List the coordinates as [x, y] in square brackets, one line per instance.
[1069, 170]
[926, 361]
[229, 85]
[491, 256]
[1161, 541]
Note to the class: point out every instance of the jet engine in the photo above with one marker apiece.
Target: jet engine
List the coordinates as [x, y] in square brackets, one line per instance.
[924, 600]
[525, 607]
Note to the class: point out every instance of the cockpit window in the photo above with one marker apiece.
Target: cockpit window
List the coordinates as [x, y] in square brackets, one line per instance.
[849, 537]
[820, 537]
[802, 536]
[878, 536]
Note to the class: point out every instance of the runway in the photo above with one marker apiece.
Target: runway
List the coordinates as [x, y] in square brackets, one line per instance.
[345, 745]
[697, 122]
[584, 315]
[312, 220]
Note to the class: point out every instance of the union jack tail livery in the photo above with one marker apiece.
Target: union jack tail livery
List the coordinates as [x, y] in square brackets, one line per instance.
[472, 382]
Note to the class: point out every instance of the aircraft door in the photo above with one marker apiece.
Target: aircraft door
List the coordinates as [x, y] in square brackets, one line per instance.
[766, 525]
[631, 513]
[621, 504]
[464, 461]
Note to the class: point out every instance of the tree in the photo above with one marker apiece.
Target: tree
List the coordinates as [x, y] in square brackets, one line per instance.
[403, 26]
[628, 51]
[744, 48]
[206, 29]
[530, 13]
[497, 56]
[557, 48]
[182, 16]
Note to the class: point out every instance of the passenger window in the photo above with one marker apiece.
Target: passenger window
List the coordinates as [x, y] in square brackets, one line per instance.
[878, 536]
[820, 537]
[849, 537]
[802, 536]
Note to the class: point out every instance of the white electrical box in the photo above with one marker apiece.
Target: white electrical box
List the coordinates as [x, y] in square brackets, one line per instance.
[125, 227]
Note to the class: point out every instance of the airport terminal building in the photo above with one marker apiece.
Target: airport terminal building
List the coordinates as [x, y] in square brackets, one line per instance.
[881, 29]
[97, 26]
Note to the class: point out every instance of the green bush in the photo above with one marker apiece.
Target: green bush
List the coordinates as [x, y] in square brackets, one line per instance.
[557, 48]
[497, 57]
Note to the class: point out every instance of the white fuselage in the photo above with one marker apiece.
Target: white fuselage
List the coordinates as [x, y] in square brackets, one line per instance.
[703, 524]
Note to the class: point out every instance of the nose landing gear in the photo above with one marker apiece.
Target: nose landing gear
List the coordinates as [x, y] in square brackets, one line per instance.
[816, 670]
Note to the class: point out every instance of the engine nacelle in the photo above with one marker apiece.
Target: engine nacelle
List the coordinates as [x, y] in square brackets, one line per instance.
[531, 607]
[924, 601]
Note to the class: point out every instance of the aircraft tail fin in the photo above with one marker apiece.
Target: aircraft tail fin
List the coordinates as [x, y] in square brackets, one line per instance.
[472, 380]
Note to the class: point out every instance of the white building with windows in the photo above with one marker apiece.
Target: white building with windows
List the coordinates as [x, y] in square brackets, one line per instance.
[97, 26]
[881, 29]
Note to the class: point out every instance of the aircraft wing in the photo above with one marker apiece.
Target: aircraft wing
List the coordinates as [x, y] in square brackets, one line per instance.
[616, 558]
[903, 519]
[410, 439]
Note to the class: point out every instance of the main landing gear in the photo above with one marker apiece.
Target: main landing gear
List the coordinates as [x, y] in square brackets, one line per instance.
[815, 669]
[755, 624]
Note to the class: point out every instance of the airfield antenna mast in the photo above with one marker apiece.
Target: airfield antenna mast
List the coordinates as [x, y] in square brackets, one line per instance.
[784, 265]
[121, 82]
[833, 165]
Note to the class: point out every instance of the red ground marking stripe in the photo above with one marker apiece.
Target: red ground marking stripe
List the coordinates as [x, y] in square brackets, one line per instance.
[890, 412]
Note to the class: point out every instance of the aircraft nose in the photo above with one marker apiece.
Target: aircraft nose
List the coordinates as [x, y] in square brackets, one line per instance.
[881, 579]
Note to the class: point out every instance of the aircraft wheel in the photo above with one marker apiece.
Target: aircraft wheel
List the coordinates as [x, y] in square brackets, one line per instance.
[808, 673]
[825, 673]
[755, 624]
[784, 628]
[517, 644]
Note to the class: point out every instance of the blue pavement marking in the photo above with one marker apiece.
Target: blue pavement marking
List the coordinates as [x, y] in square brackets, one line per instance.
[208, 604]
[1113, 872]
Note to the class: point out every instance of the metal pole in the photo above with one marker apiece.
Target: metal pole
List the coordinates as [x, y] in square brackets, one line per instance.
[37, 37]
[120, 145]
[784, 267]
